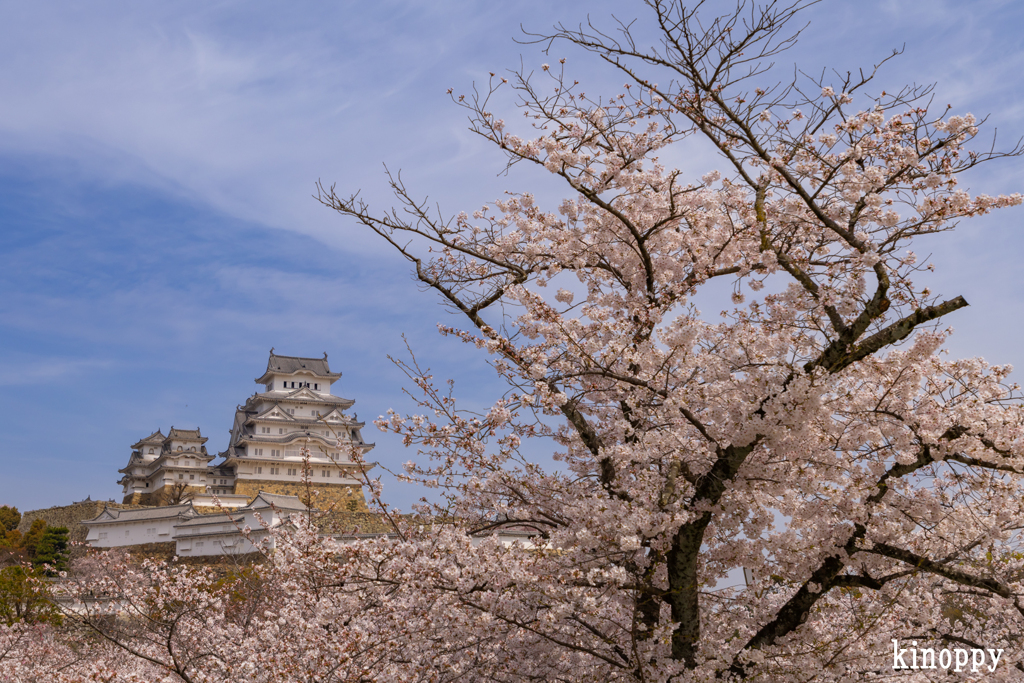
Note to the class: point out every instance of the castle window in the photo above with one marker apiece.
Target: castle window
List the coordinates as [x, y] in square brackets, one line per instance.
[191, 476]
[103, 534]
[181, 476]
[293, 385]
[179, 448]
[193, 449]
[280, 430]
[291, 471]
[151, 451]
[316, 387]
[259, 470]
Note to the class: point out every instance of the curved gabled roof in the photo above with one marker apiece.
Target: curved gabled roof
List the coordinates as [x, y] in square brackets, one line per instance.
[186, 435]
[286, 439]
[110, 515]
[292, 365]
[274, 413]
[156, 437]
[299, 396]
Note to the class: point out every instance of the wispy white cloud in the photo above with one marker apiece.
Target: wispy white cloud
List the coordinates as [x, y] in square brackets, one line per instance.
[158, 162]
[29, 369]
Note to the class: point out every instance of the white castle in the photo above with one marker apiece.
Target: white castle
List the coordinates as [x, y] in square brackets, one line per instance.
[173, 493]
[295, 412]
[288, 441]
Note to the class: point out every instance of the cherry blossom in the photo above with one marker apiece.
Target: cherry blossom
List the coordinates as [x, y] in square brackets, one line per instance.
[812, 436]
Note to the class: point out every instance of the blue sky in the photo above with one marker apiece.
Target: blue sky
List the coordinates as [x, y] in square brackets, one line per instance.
[158, 234]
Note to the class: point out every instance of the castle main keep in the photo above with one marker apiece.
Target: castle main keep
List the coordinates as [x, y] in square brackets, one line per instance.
[292, 437]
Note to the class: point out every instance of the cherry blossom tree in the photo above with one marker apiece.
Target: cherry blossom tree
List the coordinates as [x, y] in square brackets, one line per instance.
[814, 435]
[280, 620]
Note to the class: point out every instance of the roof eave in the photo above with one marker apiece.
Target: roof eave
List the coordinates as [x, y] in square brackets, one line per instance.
[265, 377]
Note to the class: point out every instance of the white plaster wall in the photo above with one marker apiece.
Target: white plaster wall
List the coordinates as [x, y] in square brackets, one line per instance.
[121, 533]
[220, 544]
[223, 536]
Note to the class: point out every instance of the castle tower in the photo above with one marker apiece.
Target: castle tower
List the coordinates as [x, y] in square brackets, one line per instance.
[164, 470]
[295, 410]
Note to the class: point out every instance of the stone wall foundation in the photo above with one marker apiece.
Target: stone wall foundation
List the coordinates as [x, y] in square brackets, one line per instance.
[345, 497]
[71, 516]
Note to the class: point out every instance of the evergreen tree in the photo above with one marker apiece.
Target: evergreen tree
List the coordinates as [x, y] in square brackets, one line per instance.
[10, 518]
[31, 539]
[11, 539]
[52, 550]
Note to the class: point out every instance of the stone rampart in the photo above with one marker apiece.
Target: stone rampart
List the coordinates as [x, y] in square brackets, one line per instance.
[71, 516]
[166, 495]
[329, 497]
[343, 522]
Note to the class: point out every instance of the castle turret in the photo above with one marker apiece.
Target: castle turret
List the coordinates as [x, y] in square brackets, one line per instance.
[163, 470]
[293, 437]
[295, 411]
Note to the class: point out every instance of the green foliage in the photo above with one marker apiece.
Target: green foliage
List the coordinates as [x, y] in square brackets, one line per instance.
[35, 534]
[25, 597]
[11, 539]
[10, 518]
[52, 550]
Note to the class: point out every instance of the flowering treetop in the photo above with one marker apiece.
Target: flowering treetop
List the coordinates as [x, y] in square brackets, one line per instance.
[813, 435]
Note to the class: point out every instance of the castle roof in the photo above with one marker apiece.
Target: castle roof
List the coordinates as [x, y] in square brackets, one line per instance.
[110, 515]
[279, 501]
[156, 437]
[266, 410]
[262, 501]
[291, 365]
[303, 395]
[185, 435]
